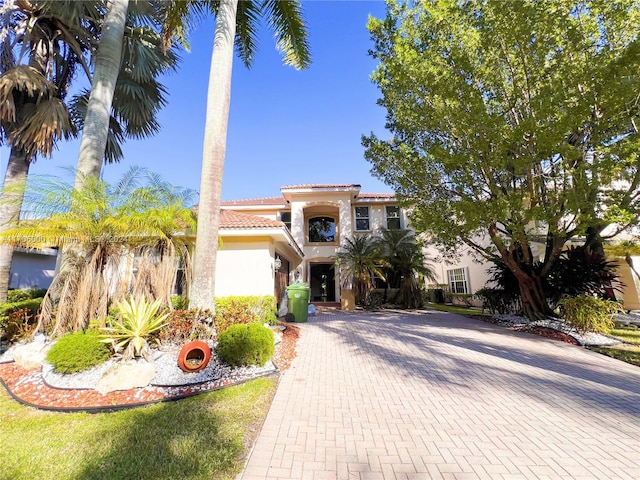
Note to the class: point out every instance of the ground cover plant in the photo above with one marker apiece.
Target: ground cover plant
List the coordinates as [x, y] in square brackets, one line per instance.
[203, 437]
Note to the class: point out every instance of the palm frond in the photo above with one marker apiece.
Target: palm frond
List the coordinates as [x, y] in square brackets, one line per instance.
[247, 25]
[24, 79]
[39, 132]
[286, 19]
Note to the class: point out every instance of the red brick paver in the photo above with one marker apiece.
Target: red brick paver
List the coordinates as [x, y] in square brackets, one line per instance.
[439, 396]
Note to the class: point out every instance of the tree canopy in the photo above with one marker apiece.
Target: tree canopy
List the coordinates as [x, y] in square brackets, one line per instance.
[514, 124]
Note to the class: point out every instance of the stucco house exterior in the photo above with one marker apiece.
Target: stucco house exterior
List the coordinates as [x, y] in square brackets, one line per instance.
[318, 217]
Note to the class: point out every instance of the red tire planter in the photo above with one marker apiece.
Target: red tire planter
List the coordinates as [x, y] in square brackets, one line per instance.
[194, 356]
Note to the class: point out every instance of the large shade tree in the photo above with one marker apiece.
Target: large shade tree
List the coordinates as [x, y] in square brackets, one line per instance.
[512, 129]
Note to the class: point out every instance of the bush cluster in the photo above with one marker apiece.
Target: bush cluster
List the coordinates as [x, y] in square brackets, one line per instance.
[589, 314]
[241, 310]
[78, 351]
[250, 344]
[18, 319]
[186, 325]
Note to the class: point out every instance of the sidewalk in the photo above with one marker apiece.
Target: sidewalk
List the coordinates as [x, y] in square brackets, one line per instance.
[439, 396]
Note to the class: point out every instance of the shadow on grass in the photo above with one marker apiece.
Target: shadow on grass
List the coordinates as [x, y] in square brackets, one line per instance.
[194, 438]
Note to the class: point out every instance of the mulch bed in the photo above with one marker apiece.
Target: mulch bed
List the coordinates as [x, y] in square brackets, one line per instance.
[28, 387]
[550, 333]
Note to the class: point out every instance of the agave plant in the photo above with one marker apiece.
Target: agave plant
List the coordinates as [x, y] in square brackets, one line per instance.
[139, 319]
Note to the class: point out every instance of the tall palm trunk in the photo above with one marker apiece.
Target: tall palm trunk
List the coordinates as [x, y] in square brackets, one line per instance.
[215, 140]
[15, 180]
[96, 123]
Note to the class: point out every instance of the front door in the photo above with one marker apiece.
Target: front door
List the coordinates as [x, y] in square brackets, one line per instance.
[322, 282]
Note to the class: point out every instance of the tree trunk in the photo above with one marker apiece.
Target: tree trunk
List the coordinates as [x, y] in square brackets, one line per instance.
[215, 142]
[96, 123]
[534, 302]
[15, 180]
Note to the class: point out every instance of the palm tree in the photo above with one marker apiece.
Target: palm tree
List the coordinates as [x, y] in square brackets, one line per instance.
[105, 76]
[33, 112]
[115, 226]
[235, 24]
[402, 255]
[359, 261]
[41, 47]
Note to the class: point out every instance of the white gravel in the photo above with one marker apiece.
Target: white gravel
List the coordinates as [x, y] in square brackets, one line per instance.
[589, 338]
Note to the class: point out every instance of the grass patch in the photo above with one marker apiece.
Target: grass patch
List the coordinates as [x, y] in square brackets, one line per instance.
[627, 335]
[626, 353]
[455, 309]
[629, 351]
[202, 437]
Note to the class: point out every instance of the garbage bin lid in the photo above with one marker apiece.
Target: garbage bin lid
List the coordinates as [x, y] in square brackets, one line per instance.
[298, 286]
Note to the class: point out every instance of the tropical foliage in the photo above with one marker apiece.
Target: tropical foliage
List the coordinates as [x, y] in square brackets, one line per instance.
[589, 314]
[137, 224]
[137, 320]
[510, 126]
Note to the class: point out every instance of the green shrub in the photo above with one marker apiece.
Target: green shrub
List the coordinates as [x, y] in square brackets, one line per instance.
[18, 319]
[250, 344]
[78, 351]
[240, 310]
[498, 300]
[16, 295]
[178, 302]
[589, 314]
[186, 325]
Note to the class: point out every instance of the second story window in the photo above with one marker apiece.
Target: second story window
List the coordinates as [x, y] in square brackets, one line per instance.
[322, 229]
[393, 217]
[285, 217]
[362, 218]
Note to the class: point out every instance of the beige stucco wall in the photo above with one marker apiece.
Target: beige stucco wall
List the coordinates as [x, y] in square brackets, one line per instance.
[476, 272]
[245, 267]
[631, 291]
[31, 270]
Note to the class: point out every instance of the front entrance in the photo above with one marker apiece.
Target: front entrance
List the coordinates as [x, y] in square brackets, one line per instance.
[322, 282]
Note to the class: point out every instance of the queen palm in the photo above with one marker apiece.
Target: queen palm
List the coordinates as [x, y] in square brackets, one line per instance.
[236, 24]
[359, 260]
[140, 219]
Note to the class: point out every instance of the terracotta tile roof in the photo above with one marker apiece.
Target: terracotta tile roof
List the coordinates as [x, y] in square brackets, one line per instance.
[256, 201]
[377, 195]
[231, 219]
[319, 186]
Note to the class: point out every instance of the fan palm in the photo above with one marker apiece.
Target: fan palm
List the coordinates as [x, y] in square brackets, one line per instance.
[236, 24]
[115, 226]
[42, 44]
[359, 260]
[33, 109]
[402, 254]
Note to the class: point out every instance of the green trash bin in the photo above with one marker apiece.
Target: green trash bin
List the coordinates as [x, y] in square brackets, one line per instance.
[298, 297]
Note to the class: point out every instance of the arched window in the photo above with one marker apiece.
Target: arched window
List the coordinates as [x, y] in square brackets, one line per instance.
[322, 229]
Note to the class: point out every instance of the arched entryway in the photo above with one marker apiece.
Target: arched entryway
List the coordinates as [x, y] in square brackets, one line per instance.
[322, 282]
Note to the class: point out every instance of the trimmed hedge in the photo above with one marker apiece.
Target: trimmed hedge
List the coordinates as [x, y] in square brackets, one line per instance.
[78, 351]
[250, 344]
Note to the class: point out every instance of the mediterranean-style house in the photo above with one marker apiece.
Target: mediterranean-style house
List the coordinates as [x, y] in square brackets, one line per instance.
[316, 218]
[269, 243]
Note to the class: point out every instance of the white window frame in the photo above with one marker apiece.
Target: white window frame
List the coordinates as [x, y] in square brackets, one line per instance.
[367, 218]
[458, 277]
[387, 216]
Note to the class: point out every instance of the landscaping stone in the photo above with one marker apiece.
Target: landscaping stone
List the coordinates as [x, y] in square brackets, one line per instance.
[31, 355]
[126, 375]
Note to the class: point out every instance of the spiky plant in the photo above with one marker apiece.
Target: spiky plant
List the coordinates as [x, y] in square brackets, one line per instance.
[138, 319]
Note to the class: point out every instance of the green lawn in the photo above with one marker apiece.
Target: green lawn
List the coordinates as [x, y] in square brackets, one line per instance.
[629, 351]
[202, 437]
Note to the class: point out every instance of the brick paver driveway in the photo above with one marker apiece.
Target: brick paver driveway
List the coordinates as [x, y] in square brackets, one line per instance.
[435, 395]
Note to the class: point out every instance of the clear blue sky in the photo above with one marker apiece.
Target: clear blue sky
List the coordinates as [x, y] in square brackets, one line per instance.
[286, 126]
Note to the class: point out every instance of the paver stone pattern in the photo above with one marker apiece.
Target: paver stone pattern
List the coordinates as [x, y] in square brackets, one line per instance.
[432, 395]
